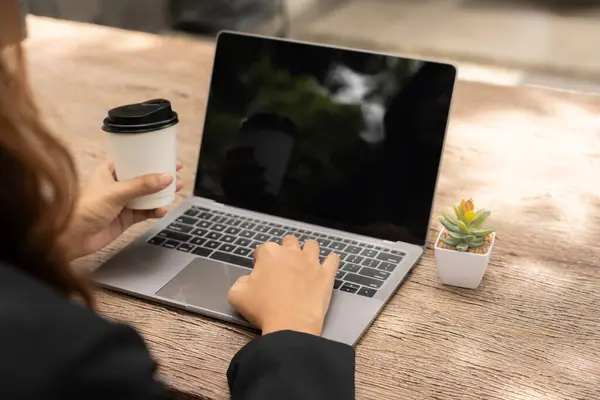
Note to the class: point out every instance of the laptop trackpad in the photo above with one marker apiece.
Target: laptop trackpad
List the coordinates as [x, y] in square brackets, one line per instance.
[204, 283]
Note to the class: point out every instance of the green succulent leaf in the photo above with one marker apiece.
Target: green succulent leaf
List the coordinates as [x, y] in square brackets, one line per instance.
[462, 247]
[457, 235]
[463, 228]
[449, 226]
[450, 241]
[480, 219]
[450, 218]
[476, 245]
[457, 212]
[469, 239]
[482, 232]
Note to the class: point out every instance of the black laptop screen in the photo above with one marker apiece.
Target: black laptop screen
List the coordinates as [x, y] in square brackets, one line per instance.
[337, 138]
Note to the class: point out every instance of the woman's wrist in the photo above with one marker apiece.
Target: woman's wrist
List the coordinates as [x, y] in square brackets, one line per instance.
[312, 327]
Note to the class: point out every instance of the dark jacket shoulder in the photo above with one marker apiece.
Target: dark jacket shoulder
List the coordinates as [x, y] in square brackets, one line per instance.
[54, 348]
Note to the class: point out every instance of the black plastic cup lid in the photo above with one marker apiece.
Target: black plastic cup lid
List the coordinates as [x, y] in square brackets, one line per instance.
[143, 117]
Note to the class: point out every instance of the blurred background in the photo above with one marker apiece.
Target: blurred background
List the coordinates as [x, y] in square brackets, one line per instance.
[552, 43]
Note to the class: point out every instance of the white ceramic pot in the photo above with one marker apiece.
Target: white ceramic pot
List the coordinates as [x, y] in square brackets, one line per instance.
[462, 269]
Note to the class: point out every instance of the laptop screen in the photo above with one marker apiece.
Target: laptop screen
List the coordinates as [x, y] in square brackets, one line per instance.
[343, 139]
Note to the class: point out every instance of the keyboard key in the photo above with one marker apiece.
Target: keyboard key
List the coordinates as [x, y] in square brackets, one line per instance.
[369, 262]
[368, 253]
[219, 219]
[247, 225]
[353, 249]
[201, 251]
[274, 239]
[232, 230]
[171, 244]
[243, 242]
[218, 227]
[213, 235]
[233, 222]
[387, 257]
[350, 241]
[302, 231]
[387, 266]
[198, 241]
[254, 245]
[198, 208]
[247, 234]
[180, 228]
[320, 235]
[379, 248]
[212, 244]
[349, 287]
[185, 247]
[277, 232]
[337, 246]
[191, 212]
[354, 259]
[374, 273]
[339, 274]
[182, 237]
[204, 224]
[324, 252]
[186, 220]
[367, 292]
[262, 228]
[205, 215]
[351, 268]
[232, 258]
[242, 251]
[398, 253]
[157, 240]
[304, 238]
[337, 283]
[227, 248]
[228, 239]
[261, 237]
[323, 242]
[199, 232]
[363, 280]
[368, 246]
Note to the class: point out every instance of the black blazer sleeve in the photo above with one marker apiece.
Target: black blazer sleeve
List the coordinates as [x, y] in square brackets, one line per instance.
[292, 366]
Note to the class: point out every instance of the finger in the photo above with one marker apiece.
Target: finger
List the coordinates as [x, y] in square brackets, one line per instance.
[139, 216]
[179, 185]
[331, 265]
[236, 291]
[311, 248]
[179, 166]
[126, 191]
[290, 242]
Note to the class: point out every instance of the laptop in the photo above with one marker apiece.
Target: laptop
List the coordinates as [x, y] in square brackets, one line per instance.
[321, 142]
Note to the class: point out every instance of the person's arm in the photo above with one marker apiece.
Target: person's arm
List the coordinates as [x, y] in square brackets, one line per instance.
[292, 365]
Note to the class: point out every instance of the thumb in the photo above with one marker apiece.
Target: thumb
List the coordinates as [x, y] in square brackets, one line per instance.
[125, 191]
[236, 292]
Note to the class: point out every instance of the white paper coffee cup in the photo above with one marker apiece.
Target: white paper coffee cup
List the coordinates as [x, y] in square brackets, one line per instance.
[143, 140]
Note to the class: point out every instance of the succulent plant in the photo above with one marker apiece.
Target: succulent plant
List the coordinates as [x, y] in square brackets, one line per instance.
[464, 230]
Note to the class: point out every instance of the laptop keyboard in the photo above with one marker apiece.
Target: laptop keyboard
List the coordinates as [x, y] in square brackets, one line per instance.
[231, 238]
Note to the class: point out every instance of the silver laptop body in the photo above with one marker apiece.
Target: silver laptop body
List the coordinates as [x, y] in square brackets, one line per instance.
[190, 258]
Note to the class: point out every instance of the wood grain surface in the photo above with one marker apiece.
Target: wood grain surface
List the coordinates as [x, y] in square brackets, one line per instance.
[532, 329]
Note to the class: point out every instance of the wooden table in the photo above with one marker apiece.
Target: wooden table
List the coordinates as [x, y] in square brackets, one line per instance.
[532, 329]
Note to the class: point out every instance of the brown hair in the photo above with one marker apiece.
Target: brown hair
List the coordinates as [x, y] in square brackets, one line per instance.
[37, 174]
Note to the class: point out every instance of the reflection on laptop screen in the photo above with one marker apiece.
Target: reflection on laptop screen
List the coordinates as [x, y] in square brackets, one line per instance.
[343, 139]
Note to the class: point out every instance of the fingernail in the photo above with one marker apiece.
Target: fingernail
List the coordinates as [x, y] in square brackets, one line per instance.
[165, 179]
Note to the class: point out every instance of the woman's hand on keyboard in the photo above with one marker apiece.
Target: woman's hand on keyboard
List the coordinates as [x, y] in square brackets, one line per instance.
[288, 288]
